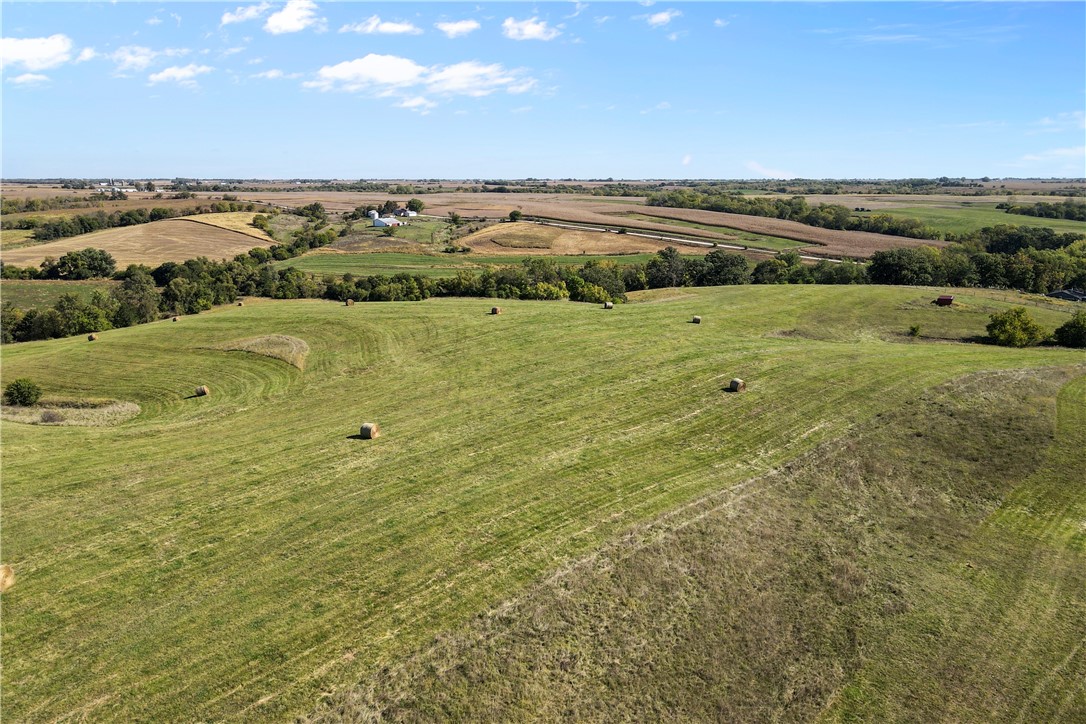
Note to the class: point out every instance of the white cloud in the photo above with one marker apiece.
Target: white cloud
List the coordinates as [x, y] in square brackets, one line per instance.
[1071, 121]
[687, 159]
[154, 20]
[374, 24]
[662, 18]
[767, 172]
[458, 28]
[182, 75]
[296, 16]
[603, 19]
[36, 53]
[674, 36]
[29, 79]
[244, 13]
[269, 74]
[85, 55]
[578, 8]
[138, 57]
[371, 71]
[418, 104]
[720, 23]
[390, 76]
[176, 18]
[530, 29]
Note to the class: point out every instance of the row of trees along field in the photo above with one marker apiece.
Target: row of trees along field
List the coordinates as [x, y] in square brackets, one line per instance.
[833, 216]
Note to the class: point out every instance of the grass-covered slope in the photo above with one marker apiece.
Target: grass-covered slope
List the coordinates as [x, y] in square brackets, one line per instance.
[238, 555]
[927, 567]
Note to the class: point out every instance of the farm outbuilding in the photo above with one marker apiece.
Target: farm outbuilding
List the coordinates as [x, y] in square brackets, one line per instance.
[1068, 295]
[387, 221]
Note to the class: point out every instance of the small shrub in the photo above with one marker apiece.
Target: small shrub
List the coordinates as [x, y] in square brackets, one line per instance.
[914, 331]
[52, 416]
[1072, 333]
[22, 392]
[1014, 328]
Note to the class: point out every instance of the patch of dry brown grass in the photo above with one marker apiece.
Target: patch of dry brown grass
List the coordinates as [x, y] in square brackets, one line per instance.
[289, 349]
[67, 412]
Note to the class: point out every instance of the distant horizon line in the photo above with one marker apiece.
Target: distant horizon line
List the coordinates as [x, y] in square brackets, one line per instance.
[500, 179]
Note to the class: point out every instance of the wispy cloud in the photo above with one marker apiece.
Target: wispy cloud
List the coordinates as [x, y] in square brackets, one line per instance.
[457, 28]
[718, 23]
[1060, 123]
[29, 79]
[530, 29]
[661, 19]
[578, 8]
[245, 13]
[373, 25]
[766, 172]
[419, 104]
[296, 16]
[275, 74]
[85, 55]
[154, 20]
[1052, 154]
[661, 106]
[36, 53]
[138, 57]
[182, 75]
[687, 159]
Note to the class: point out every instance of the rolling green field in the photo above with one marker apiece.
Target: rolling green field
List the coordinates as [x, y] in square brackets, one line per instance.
[28, 293]
[747, 238]
[243, 555]
[970, 216]
[430, 265]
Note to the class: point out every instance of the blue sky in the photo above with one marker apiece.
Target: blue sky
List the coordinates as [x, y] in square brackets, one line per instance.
[352, 90]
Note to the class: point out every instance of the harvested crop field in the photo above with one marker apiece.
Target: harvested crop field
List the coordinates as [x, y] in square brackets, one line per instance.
[39, 293]
[239, 221]
[152, 244]
[522, 239]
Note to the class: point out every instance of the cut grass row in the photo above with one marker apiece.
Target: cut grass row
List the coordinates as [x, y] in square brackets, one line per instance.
[235, 556]
[746, 238]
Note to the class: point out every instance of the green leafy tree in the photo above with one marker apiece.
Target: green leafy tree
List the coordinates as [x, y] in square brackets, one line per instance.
[666, 269]
[1072, 333]
[770, 271]
[515, 215]
[1014, 328]
[22, 392]
[416, 205]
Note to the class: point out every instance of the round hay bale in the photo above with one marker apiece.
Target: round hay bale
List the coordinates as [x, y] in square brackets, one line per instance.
[370, 430]
[696, 320]
[175, 319]
[7, 577]
[349, 303]
[241, 304]
[495, 310]
[608, 305]
[92, 337]
[737, 385]
[203, 391]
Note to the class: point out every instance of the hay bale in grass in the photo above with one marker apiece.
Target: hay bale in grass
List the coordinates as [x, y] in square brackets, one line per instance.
[696, 320]
[203, 391]
[349, 303]
[241, 304]
[737, 385]
[176, 318]
[370, 430]
[608, 305]
[7, 577]
[495, 310]
[92, 337]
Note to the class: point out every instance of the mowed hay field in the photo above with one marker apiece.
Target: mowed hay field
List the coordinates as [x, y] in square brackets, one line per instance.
[241, 555]
[534, 239]
[38, 293]
[151, 244]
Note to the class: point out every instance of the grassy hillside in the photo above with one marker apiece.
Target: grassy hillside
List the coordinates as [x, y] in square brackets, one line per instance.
[970, 216]
[235, 556]
[35, 293]
[877, 578]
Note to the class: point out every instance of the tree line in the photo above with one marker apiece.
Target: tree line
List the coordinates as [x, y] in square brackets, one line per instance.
[1066, 209]
[826, 216]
